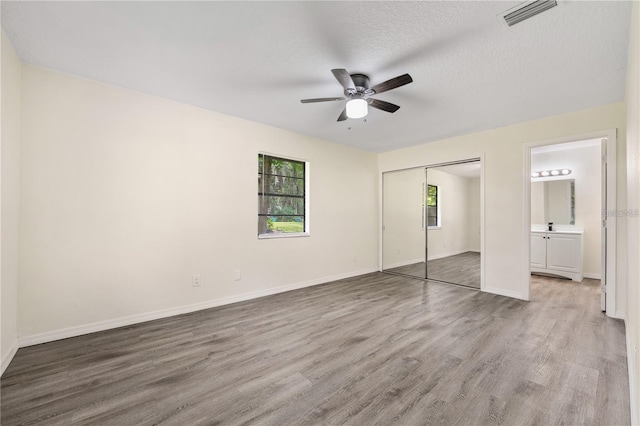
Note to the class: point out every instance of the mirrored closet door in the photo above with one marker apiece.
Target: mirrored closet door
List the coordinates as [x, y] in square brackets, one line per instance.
[453, 232]
[403, 215]
[431, 223]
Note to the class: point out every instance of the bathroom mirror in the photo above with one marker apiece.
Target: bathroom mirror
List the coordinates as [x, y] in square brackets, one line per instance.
[553, 201]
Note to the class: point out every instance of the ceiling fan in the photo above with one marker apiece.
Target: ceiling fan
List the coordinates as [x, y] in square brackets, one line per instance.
[358, 93]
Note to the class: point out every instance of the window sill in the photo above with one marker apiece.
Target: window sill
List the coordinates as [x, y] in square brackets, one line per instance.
[282, 235]
[434, 228]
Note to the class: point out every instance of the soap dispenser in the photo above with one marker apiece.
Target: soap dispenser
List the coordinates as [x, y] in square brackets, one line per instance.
[550, 226]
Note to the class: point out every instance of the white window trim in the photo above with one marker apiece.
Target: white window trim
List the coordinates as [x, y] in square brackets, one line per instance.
[307, 197]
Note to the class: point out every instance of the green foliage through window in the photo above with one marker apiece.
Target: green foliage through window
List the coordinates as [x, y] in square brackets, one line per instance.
[432, 205]
[281, 195]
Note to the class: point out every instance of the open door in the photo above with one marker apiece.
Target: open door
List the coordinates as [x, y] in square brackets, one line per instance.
[603, 240]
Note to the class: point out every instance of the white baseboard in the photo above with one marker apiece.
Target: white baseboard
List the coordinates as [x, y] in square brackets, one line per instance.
[592, 276]
[501, 292]
[6, 359]
[65, 333]
[631, 369]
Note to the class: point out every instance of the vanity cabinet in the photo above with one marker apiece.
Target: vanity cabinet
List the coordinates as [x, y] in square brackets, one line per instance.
[557, 253]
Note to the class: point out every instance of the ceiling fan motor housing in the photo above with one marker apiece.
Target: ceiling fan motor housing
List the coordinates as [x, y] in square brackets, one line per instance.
[361, 82]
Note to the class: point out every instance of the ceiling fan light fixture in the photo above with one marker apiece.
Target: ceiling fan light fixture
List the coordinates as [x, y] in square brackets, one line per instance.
[357, 108]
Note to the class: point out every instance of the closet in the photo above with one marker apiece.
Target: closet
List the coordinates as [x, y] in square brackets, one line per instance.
[432, 223]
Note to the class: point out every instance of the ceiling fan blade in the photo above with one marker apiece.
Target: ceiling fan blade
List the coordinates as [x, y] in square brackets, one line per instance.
[401, 80]
[343, 116]
[383, 105]
[308, 101]
[344, 78]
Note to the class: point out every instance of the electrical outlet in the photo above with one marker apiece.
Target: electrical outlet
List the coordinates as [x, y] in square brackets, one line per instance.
[196, 280]
[238, 274]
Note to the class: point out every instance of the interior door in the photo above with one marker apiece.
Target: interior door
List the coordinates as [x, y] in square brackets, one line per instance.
[603, 240]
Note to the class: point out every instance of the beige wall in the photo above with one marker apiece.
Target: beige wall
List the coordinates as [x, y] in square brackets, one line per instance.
[10, 178]
[585, 168]
[125, 196]
[505, 224]
[633, 205]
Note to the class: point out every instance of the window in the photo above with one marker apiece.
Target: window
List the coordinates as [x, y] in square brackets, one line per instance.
[433, 206]
[282, 198]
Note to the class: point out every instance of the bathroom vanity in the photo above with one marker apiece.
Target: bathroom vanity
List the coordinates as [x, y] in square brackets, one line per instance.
[557, 252]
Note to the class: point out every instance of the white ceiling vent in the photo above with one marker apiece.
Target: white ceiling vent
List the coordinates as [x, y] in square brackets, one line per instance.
[526, 10]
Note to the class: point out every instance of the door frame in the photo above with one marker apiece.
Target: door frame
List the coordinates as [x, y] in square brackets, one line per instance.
[610, 277]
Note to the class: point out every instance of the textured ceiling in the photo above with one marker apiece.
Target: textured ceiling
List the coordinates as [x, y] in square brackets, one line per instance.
[256, 60]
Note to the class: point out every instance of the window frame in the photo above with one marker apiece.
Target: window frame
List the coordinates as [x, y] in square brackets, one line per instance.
[438, 208]
[305, 197]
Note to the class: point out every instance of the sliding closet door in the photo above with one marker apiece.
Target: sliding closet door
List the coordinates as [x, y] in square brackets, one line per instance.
[453, 216]
[404, 222]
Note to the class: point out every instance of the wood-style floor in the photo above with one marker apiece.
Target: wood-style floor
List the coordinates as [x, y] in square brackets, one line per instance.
[462, 269]
[376, 349]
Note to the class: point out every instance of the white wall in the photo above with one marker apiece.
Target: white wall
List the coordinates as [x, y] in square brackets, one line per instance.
[633, 205]
[504, 172]
[453, 235]
[585, 168]
[125, 196]
[10, 177]
[403, 237]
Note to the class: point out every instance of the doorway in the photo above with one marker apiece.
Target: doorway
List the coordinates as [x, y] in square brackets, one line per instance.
[570, 188]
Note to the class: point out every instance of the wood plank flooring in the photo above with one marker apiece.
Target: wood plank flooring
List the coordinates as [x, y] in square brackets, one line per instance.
[462, 269]
[375, 349]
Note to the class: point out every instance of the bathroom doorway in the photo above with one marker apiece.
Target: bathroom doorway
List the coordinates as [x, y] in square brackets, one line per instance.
[569, 191]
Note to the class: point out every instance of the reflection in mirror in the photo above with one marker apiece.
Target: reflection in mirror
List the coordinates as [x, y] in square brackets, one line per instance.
[453, 246]
[553, 201]
[403, 213]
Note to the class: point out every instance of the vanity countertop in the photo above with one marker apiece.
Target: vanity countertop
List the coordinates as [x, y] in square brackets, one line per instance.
[562, 230]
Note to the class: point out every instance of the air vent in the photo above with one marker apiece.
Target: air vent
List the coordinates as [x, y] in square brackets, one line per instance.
[527, 10]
